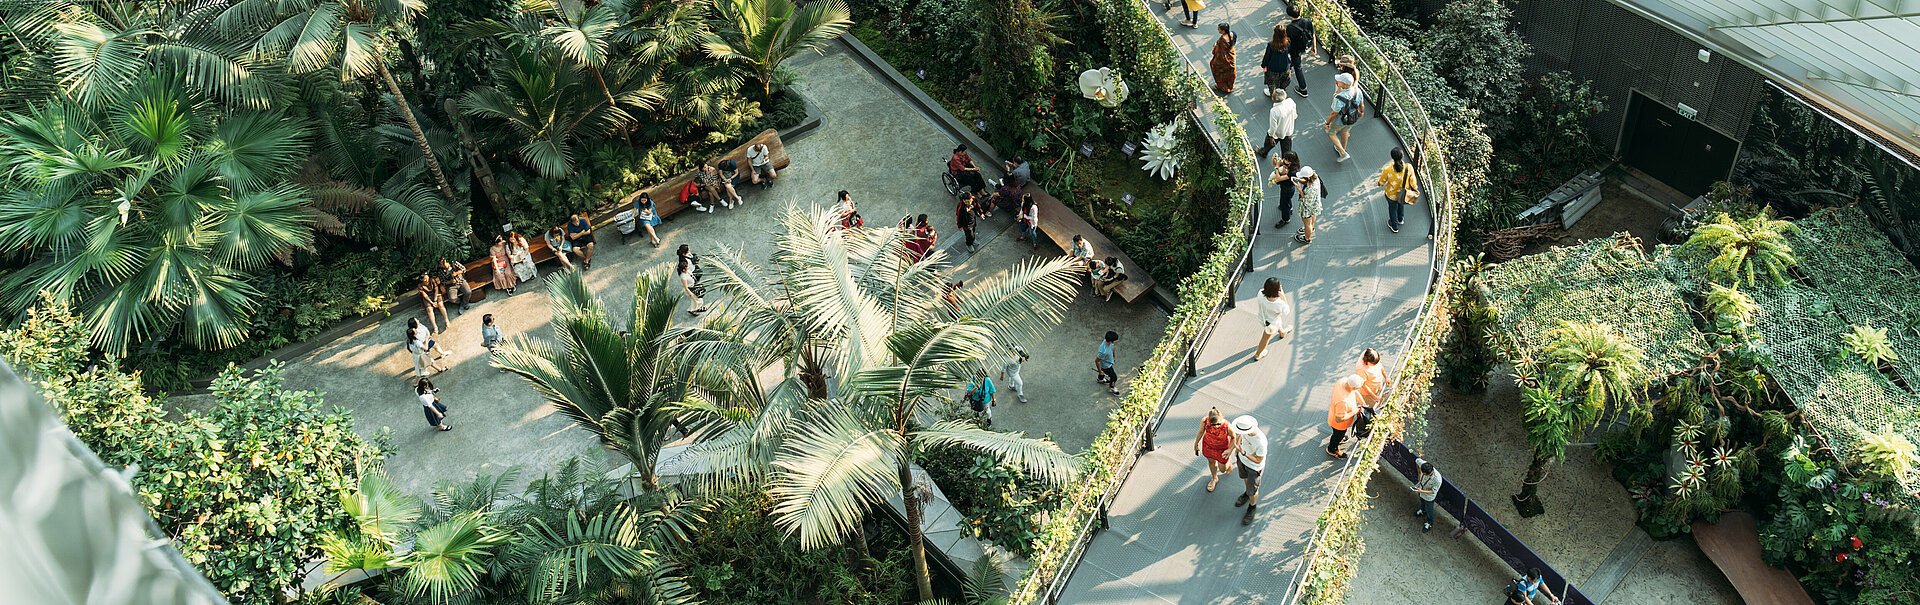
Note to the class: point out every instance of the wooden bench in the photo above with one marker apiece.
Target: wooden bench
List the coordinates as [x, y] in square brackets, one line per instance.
[1061, 224]
[666, 201]
[1734, 547]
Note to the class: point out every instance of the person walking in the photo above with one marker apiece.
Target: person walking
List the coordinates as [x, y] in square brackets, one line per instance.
[1401, 188]
[430, 400]
[647, 214]
[964, 220]
[1222, 62]
[502, 256]
[433, 299]
[1250, 454]
[1029, 220]
[1428, 487]
[490, 337]
[1010, 372]
[980, 398]
[1277, 65]
[580, 232]
[1341, 412]
[1212, 443]
[1373, 379]
[1308, 184]
[1299, 42]
[1282, 181]
[1275, 314]
[1349, 105]
[1280, 121]
[1103, 363]
[557, 242]
[1191, 10]
[684, 271]
[522, 254]
[419, 344]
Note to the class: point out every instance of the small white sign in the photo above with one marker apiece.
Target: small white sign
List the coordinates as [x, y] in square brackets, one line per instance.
[1126, 198]
[922, 74]
[1086, 149]
[979, 124]
[1128, 148]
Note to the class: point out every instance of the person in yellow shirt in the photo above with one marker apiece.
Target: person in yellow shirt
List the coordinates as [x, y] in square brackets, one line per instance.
[1374, 380]
[1397, 179]
[1341, 412]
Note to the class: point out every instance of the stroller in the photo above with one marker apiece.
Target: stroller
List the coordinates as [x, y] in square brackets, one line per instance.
[627, 220]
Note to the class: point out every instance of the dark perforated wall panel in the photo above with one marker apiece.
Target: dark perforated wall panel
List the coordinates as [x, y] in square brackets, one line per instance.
[1621, 52]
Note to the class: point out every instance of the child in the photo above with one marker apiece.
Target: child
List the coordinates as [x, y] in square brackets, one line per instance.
[490, 336]
[1010, 372]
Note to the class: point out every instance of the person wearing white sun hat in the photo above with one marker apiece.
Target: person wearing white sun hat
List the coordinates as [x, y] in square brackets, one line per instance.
[1250, 452]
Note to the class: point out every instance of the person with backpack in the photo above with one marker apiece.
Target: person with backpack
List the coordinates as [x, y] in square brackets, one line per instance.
[1349, 105]
[1299, 42]
[1212, 443]
[980, 398]
[1401, 187]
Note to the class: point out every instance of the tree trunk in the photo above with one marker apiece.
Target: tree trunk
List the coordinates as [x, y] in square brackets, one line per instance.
[611, 104]
[813, 376]
[918, 545]
[1527, 502]
[419, 136]
[481, 171]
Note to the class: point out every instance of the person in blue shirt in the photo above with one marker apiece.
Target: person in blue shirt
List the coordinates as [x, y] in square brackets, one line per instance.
[1530, 587]
[1103, 363]
[980, 397]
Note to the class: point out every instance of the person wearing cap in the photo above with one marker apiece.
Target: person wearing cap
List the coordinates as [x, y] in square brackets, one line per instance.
[1250, 454]
[1341, 412]
[1010, 372]
[1307, 183]
[1346, 95]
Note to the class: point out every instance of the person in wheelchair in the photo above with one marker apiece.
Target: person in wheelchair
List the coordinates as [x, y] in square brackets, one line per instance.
[962, 168]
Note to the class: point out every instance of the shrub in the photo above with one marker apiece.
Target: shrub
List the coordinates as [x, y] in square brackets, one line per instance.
[739, 556]
[1002, 504]
[1475, 46]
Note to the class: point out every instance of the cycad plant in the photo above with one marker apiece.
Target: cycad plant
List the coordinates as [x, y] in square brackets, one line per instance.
[765, 33]
[145, 215]
[579, 541]
[611, 380]
[443, 550]
[868, 349]
[1746, 248]
[1588, 366]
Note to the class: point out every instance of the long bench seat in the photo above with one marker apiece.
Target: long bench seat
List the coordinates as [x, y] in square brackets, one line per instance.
[1061, 224]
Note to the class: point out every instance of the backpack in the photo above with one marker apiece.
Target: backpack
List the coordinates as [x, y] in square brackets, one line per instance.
[1363, 423]
[1349, 110]
[977, 397]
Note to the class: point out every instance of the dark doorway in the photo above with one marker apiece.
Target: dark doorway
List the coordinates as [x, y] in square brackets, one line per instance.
[1686, 155]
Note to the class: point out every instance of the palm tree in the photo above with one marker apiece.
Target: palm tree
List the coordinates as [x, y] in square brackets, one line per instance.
[612, 382]
[548, 108]
[1588, 367]
[765, 33]
[849, 304]
[348, 35]
[1747, 247]
[580, 542]
[146, 214]
[446, 548]
[86, 52]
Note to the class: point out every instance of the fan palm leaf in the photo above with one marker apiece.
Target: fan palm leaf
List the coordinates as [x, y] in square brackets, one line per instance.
[256, 149]
[447, 559]
[255, 226]
[383, 512]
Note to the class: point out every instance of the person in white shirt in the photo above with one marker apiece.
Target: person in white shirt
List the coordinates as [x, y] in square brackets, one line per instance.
[1010, 372]
[1029, 220]
[1275, 314]
[762, 161]
[1280, 122]
[1348, 97]
[1082, 254]
[1250, 452]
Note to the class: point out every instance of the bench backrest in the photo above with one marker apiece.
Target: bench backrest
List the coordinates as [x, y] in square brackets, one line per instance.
[1061, 223]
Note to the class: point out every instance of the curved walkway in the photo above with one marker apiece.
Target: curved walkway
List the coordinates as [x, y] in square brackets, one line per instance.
[1357, 286]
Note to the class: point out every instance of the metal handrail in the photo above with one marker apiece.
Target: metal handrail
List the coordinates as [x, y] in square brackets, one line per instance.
[1432, 159]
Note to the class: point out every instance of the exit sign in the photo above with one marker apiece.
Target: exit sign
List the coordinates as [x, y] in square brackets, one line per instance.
[1686, 111]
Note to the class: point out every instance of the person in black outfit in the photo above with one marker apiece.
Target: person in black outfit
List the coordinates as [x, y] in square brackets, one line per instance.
[964, 219]
[1299, 39]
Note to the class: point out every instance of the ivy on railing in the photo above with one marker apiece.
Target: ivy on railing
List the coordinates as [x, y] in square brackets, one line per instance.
[1455, 169]
[1159, 68]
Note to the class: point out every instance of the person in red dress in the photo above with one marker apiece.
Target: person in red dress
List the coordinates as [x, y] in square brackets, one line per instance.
[1212, 442]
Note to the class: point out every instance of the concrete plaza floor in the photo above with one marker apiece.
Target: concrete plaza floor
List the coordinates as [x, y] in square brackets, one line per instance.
[872, 143]
[1358, 285]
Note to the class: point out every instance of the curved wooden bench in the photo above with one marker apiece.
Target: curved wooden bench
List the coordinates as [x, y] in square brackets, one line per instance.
[1061, 224]
[1734, 547]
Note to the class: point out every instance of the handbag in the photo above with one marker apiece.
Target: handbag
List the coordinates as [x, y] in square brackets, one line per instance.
[1195, 5]
[1408, 196]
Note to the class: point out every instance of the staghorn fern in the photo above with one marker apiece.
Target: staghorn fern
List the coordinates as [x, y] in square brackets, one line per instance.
[1889, 453]
[1869, 344]
[1747, 248]
[1731, 305]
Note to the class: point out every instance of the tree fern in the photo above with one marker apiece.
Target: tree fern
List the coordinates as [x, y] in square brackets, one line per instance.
[1744, 249]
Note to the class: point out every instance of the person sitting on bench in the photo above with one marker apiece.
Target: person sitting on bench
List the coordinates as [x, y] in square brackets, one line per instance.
[1107, 277]
[690, 195]
[762, 161]
[1019, 172]
[962, 168]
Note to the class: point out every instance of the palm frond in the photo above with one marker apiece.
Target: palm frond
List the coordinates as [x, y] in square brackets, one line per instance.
[1038, 457]
[448, 558]
[383, 513]
[831, 471]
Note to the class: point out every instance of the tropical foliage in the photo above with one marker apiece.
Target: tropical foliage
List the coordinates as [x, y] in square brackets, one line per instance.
[1588, 367]
[763, 34]
[244, 489]
[1729, 305]
[1744, 249]
[1869, 344]
[1474, 45]
[850, 304]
